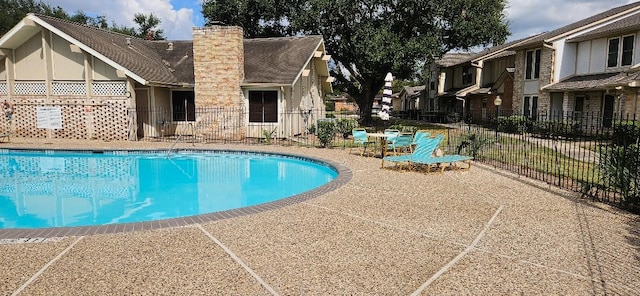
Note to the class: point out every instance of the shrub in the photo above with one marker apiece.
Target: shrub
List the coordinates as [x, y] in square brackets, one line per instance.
[326, 132]
[473, 144]
[344, 126]
[330, 105]
[556, 128]
[404, 128]
[268, 135]
[514, 124]
[312, 128]
[620, 167]
[626, 133]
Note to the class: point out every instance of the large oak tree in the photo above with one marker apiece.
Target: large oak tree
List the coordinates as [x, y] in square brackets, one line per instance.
[369, 38]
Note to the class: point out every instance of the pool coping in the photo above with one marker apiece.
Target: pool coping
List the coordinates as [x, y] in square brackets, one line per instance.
[343, 177]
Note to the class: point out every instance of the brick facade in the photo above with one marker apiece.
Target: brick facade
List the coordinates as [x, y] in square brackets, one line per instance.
[518, 82]
[218, 66]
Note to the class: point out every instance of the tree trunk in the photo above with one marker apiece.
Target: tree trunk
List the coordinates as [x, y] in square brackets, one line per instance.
[365, 101]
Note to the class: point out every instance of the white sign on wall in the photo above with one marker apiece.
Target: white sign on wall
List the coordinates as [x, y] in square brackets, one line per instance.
[49, 117]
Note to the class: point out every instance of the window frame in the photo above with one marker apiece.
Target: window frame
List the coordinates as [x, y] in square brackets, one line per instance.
[190, 112]
[621, 51]
[272, 118]
[532, 64]
[532, 102]
[467, 75]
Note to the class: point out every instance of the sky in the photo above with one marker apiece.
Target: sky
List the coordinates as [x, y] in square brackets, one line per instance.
[526, 17]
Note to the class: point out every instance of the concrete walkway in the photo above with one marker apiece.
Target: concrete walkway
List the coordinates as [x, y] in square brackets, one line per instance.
[386, 232]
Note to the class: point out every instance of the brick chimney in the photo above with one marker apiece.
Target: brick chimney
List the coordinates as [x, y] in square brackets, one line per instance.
[218, 66]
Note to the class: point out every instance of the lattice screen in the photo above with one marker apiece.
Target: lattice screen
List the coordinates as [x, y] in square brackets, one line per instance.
[30, 88]
[3, 88]
[81, 119]
[69, 88]
[118, 88]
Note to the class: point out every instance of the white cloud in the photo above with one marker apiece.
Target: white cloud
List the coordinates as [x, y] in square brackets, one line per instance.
[529, 17]
[176, 22]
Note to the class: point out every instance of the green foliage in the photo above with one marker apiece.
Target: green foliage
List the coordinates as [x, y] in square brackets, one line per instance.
[404, 128]
[312, 128]
[626, 133]
[620, 167]
[330, 105]
[148, 26]
[12, 11]
[326, 132]
[515, 124]
[556, 128]
[368, 39]
[345, 126]
[473, 144]
[268, 135]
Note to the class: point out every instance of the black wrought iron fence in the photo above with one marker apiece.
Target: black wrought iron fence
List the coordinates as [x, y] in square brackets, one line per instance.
[596, 155]
[587, 152]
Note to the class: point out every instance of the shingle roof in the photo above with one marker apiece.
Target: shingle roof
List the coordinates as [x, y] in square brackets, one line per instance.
[267, 60]
[623, 26]
[593, 81]
[277, 60]
[577, 25]
[490, 53]
[413, 91]
[454, 58]
[140, 57]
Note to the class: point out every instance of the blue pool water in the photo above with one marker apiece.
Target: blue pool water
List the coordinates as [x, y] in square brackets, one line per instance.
[57, 189]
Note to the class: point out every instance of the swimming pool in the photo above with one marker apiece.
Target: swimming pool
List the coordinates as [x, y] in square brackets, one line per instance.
[41, 189]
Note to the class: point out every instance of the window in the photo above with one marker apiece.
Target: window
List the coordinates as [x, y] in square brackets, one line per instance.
[530, 107]
[579, 104]
[532, 65]
[263, 106]
[620, 57]
[467, 75]
[432, 85]
[184, 107]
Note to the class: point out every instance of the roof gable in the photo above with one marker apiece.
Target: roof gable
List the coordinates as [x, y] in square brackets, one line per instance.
[278, 60]
[580, 25]
[267, 60]
[624, 26]
[126, 53]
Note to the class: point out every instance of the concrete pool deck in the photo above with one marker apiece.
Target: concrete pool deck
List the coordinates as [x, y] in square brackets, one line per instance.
[385, 232]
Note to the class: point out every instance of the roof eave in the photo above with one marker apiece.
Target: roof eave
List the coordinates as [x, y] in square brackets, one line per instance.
[87, 49]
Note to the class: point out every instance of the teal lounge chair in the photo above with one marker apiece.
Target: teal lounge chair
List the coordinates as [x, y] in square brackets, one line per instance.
[452, 160]
[400, 143]
[360, 139]
[424, 149]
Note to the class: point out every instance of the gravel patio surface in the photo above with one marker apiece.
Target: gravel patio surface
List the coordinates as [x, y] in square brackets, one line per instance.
[386, 232]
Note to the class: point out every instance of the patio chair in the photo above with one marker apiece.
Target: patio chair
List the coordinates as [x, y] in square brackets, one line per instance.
[433, 159]
[419, 135]
[452, 160]
[425, 148]
[360, 139]
[392, 133]
[400, 143]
